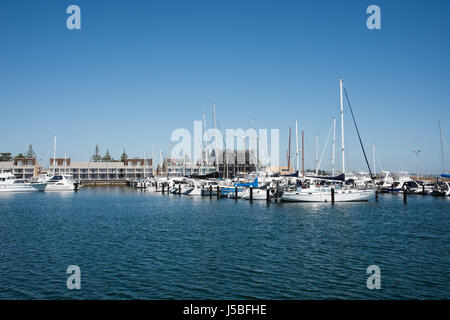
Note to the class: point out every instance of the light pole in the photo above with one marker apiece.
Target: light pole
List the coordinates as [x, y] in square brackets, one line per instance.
[417, 161]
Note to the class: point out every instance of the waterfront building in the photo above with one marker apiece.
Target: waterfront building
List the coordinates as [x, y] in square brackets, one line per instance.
[178, 167]
[90, 171]
[22, 168]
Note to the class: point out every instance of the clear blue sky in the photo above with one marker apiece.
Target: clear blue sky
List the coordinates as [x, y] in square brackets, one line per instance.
[139, 69]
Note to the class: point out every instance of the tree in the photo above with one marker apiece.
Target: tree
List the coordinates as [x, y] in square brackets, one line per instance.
[96, 157]
[20, 155]
[30, 153]
[6, 156]
[124, 156]
[107, 156]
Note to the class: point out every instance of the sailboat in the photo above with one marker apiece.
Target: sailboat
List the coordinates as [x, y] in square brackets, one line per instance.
[313, 192]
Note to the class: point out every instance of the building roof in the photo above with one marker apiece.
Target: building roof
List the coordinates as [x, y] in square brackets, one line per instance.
[100, 165]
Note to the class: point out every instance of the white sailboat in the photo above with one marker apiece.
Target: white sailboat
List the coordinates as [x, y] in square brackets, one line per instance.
[324, 193]
[61, 182]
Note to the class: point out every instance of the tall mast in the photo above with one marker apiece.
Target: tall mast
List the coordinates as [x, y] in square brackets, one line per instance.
[374, 163]
[289, 153]
[206, 156]
[442, 147]
[334, 146]
[296, 142]
[257, 147]
[215, 137]
[54, 155]
[144, 167]
[342, 125]
[152, 159]
[303, 154]
[160, 162]
[65, 164]
[316, 162]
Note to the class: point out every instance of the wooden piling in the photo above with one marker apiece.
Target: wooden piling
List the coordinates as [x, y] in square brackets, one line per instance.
[405, 195]
[210, 191]
[268, 194]
[218, 192]
[332, 195]
[251, 194]
[236, 193]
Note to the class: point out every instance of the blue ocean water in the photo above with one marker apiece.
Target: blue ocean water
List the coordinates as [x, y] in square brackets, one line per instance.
[139, 245]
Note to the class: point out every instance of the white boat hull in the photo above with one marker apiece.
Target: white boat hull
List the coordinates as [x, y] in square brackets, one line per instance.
[26, 187]
[339, 196]
[258, 194]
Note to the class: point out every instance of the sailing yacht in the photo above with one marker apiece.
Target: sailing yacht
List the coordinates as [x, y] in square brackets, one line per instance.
[9, 183]
[323, 194]
[60, 182]
[315, 193]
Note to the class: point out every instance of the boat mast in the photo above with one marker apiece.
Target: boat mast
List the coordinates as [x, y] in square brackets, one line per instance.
[303, 154]
[54, 155]
[215, 137]
[342, 125]
[257, 148]
[160, 162]
[296, 151]
[317, 152]
[323, 150]
[374, 163]
[152, 159]
[144, 167]
[442, 147]
[204, 152]
[289, 153]
[65, 164]
[334, 146]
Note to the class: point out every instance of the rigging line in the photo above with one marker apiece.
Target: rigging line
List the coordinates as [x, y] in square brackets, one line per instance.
[357, 131]
[378, 159]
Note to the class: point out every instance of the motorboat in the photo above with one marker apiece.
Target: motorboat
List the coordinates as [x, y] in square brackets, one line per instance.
[61, 182]
[9, 183]
[441, 190]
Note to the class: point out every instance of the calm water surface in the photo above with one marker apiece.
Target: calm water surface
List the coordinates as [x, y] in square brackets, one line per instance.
[138, 245]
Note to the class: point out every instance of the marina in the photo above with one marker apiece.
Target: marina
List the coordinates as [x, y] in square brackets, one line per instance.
[224, 157]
